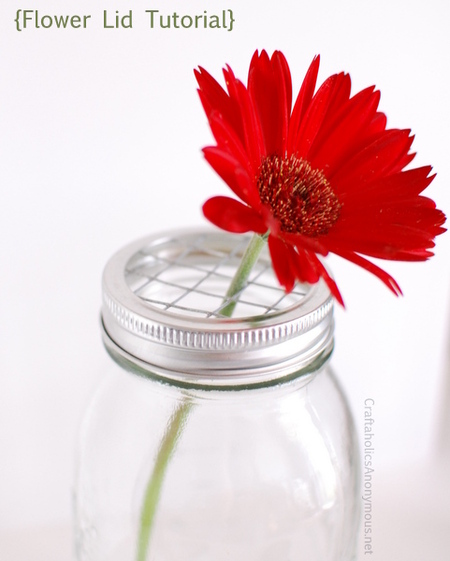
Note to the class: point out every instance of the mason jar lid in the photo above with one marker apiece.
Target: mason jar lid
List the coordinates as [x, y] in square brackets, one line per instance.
[162, 302]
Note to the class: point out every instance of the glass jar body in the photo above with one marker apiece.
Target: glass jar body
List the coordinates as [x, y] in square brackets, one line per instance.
[262, 473]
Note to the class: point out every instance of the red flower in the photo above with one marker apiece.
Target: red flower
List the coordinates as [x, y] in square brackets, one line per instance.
[325, 177]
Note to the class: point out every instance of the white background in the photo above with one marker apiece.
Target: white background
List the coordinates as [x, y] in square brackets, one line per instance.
[100, 138]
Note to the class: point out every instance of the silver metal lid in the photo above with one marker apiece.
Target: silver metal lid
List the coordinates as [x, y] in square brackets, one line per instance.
[162, 302]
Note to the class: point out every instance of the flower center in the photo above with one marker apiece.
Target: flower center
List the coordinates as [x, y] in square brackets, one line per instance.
[300, 197]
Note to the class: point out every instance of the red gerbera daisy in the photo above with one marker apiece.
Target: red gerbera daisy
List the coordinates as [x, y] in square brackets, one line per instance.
[325, 177]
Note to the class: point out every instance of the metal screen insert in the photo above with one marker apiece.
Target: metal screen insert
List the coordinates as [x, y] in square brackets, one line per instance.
[187, 275]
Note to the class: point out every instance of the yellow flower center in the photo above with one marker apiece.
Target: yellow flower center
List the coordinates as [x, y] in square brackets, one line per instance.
[300, 197]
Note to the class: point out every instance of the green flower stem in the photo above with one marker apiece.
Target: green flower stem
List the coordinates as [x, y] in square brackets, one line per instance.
[246, 265]
[153, 490]
[178, 419]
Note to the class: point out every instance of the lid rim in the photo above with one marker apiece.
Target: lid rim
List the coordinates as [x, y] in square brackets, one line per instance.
[206, 378]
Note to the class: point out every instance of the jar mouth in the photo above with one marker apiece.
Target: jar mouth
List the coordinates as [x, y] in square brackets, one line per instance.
[162, 298]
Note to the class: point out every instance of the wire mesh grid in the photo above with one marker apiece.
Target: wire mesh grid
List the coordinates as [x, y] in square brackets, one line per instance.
[189, 275]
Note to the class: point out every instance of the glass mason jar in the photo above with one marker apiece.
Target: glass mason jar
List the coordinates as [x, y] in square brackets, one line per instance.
[214, 438]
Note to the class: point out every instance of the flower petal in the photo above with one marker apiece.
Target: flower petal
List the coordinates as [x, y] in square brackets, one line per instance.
[337, 143]
[309, 268]
[284, 83]
[305, 270]
[270, 90]
[374, 161]
[215, 98]
[332, 286]
[389, 281]
[227, 140]
[313, 119]
[377, 125]
[302, 102]
[337, 107]
[252, 131]
[279, 253]
[305, 242]
[227, 167]
[393, 186]
[233, 216]
[394, 249]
